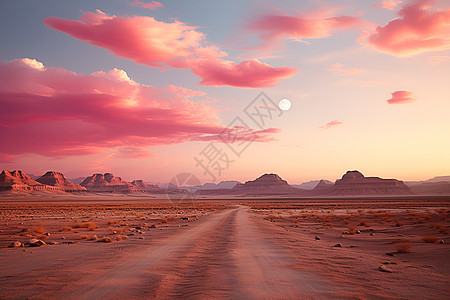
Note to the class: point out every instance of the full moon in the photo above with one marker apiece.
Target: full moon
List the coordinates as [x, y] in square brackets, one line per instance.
[284, 104]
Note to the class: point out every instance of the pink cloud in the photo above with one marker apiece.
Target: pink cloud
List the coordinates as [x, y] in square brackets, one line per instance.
[151, 5]
[389, 4]
[58, 113]
[401, 97]
[340, 70]
[223, 72]
[418, 30]
[159, 44]
[331, 124]
[274, 27]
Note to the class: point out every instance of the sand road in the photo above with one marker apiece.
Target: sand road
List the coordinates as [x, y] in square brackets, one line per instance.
[227, 256]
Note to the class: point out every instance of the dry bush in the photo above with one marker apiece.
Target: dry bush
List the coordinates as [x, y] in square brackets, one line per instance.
[429, 239]
[40, 229]
[110, 222]
[351, 229]
[363, 222]
[403, 246]
[104, 239]
[121, 238]
[85, 237]
[93, 238]
[89, 225]
[163, 221]
[66, 228]
[137, 215]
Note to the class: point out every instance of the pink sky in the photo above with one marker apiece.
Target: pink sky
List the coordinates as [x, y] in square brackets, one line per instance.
[156, 84]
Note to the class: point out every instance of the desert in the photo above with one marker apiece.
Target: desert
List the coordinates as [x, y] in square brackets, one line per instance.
[123, 246]
[239, 149]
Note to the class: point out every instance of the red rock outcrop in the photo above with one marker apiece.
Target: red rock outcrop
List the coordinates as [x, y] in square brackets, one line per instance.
[20, 181]
[354, 183]
[267, 184]
[108, 183]
[57, 179]
[143, 187]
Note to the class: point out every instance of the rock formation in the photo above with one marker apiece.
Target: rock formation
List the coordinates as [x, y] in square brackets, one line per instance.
[267, 184]
[20, 181]
[107, 183]
[323, 184]
[354, 183]
[59, 180]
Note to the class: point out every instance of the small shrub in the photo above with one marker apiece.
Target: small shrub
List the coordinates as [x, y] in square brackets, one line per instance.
[89, 225]
[351, 229]
[363, 222]
[403, 246]
[121, 238]
[40, 229]
[93, 238]
[85, 237]
[66, 228]
[429, 239]
[104, 240]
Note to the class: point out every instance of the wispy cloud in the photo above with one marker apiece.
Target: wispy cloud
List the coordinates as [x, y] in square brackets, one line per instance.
[331, 124]
[271, 28]
[151, 5]
[389, 4]
[340, 70]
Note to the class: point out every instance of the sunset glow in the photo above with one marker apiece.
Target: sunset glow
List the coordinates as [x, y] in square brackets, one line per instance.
[139, 88]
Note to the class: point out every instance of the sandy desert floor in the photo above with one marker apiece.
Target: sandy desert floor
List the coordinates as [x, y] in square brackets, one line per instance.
[390, 248]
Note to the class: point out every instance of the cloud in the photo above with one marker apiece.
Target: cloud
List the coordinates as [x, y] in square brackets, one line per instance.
[131, 152]
[275, 27]
[222, 72]
[389, 4]
[59, 113]
[151, 5]
[401, 97]
[160, 44]
[418, 30]
[340, 70]
[331, 124]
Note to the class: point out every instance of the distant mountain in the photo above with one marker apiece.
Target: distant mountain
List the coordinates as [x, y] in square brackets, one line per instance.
[57, 179]
[221, 185]
[265, 185]
[77, 180]
[307, 185]
[355, 183]
[439, 179]
[323, 184]
[435, 186]
[432, 188]
[146, 187]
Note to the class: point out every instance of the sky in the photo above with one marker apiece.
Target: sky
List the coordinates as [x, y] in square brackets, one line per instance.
[150, 89]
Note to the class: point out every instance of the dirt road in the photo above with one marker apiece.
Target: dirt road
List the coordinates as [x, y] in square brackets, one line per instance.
[227, 256]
